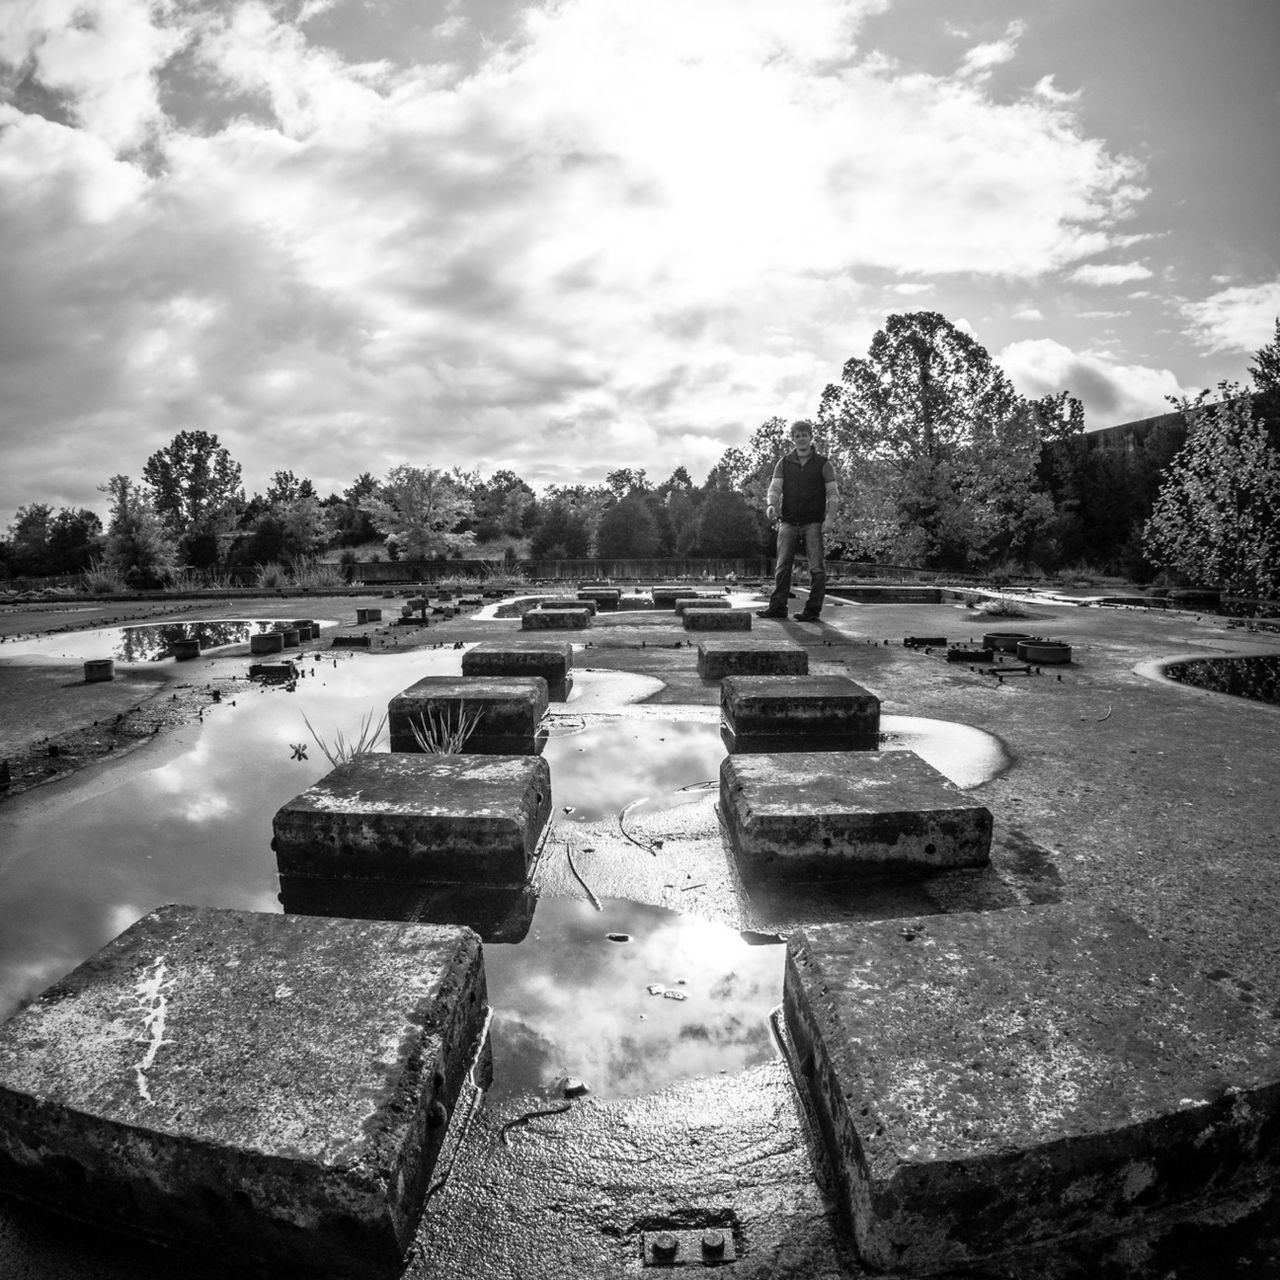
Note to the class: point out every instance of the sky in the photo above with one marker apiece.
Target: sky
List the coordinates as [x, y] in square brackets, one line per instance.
[570, 236]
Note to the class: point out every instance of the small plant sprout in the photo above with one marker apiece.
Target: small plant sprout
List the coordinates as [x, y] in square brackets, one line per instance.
[444, 731]
[344, 749]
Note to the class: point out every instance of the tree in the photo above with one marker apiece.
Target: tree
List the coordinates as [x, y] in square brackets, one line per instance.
[949, 447]
[29, 539]
[624, 481]
[195, 489]
[75, 537]
[418, 510]
[138, 546]
[349, 522]
[627, 530]
[728, 525]
[1266, 378]
[561, 533]
[1217, 515]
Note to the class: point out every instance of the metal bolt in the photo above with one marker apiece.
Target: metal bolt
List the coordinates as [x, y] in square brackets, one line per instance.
[713, 1241]
[665, 1244]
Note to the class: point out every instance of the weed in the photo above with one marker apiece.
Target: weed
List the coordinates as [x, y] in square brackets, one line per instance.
[444, 732]
[344, 749]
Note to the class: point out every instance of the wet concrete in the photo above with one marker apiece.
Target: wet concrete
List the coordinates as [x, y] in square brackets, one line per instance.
[1116, 788]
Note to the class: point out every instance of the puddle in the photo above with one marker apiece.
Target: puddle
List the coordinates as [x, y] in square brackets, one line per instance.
[150, 643]
[968, 756]
[1256, 677]
[568, 1001]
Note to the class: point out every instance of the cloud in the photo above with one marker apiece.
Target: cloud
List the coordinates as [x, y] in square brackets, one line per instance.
[1111, 392]
[1028, 313]
[1240, 318]
[533, 262]
[978, 61]
[1110, 273]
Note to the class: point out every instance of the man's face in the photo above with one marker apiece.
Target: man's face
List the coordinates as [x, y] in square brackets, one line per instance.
[801, 439]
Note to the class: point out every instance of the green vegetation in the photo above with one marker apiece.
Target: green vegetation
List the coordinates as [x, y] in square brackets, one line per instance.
[943, 467]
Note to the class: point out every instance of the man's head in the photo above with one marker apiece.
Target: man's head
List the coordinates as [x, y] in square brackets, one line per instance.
[802, 436]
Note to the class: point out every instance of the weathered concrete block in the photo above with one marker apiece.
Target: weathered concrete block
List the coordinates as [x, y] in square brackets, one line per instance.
[840, 815]
[275, 1088]
[469, 819]
[509, 712]
[717, 619]
[1003, 1079]
[665, 596]
[568, 602]
[550, 659]
[751, 657]
[346, 642]
[700, 602]
[266, 642]
[556, 620]
[605, 598]
[797, 713]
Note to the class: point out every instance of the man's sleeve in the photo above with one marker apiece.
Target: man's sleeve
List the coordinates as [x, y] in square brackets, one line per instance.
[777, 468]
[828, 472]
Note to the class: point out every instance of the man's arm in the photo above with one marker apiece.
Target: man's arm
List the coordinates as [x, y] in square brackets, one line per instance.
[773, 497]
[833, 488]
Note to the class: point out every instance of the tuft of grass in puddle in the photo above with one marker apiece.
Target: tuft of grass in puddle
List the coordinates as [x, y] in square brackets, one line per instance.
[1003, 609]
[444, 732]
[343, 748]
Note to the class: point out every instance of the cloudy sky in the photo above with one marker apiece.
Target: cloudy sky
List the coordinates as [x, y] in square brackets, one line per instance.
[572, 235]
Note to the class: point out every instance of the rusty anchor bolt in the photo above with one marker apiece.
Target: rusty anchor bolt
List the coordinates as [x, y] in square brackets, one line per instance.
[713, 1242]
[665, 1244]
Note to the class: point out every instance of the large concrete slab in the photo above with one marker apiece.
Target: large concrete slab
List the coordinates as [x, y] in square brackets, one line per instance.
[750, 656]
[798, 713]
[993, 1081]
[550, 659]
[841, 815]
[724, 619]
[563, 619]
[272, 1088]
[508, 712]
[700, 602]
[418, 818]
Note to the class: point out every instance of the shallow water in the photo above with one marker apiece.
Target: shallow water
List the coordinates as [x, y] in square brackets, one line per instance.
[150, 643]
[1257, 677]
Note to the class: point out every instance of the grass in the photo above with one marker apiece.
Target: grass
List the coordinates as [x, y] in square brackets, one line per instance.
[1002, 608]
[444, 733]
[344, 749]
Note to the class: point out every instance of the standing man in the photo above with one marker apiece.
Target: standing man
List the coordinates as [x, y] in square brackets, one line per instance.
[803, 483]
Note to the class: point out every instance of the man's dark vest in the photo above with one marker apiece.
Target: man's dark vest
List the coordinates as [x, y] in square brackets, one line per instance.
[804, 491]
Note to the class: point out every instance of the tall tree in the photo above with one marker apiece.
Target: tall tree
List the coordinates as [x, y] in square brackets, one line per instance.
[138, 546]
[29, 539]
[195, 488]
[950, 445]
[627, 530]
[728, 525]
[562, 531]
[418, 510]
[1217, 516]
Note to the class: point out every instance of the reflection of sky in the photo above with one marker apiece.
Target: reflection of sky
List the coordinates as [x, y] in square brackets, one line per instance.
[149, 643]
[187, 819]
[600, 770]
[568, 1002]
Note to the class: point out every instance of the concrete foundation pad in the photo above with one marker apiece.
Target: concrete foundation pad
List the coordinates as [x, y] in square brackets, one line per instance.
[796, 713]
[272, 1088]
[604, 598]
[550, 659]
[467, 819]
[701, 602]
[840, 815]
[989, 1082]
[510, 710]
[723, 619]
[751, 657]
[556, 620]
[569, 602]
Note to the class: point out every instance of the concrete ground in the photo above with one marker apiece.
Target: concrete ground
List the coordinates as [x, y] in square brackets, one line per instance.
[1124, 790]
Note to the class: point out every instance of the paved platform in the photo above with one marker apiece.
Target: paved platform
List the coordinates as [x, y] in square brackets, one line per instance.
[274, 1089]
[717, 619]
[418, 818]
[840, 815]
[700, 602]
[550, 659]
[508, 712]
[797, 713]
[993, 1081]
[754, 656]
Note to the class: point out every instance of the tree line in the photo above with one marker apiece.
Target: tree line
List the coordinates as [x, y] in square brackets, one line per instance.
[943, 465]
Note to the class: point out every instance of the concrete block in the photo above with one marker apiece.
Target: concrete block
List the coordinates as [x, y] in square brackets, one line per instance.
[605, 598]
[266, 642]
[797, 713]
[510, 712]
[273, 1089]
[841, 815]
[665, 596]
[550, 659]
[344, 642]
[992, 1081]
[466, 819]
[751, 657]
[569, 603]
[717, 619]
[556, 620]
[700, 602]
